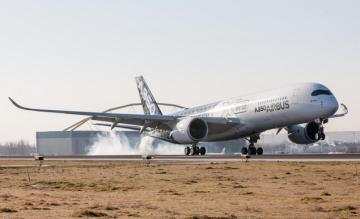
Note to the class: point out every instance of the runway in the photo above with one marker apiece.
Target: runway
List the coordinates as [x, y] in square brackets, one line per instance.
[207, 158]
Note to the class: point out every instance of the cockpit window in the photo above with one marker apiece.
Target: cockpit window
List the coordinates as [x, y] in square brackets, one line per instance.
[321, 92]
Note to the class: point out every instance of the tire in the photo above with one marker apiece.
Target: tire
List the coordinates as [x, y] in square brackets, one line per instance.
[259, 151]
[252, 150]
[197, 150]
[244, 150]
[194, 150]
[202, 151]
[323, 136]
[187, 151]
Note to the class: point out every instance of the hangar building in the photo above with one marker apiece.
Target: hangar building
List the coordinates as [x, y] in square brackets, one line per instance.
[65, 143]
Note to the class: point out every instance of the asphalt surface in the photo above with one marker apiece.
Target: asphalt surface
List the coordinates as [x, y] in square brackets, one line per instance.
[235, 157]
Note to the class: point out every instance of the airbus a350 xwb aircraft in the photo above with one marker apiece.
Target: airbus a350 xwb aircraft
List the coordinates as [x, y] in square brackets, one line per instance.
[301, 110]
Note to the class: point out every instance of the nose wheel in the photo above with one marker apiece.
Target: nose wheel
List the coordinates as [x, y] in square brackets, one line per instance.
[320, 136]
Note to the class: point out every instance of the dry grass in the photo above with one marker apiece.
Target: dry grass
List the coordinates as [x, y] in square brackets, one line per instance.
[179, 190]
[88, 213]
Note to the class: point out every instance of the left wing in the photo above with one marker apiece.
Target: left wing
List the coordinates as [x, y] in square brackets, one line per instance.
[153, 121]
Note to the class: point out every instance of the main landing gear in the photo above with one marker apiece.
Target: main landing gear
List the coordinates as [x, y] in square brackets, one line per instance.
[252, 150]
[194, 150]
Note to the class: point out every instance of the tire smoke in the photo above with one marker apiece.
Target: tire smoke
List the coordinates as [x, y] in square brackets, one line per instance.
[117, 143]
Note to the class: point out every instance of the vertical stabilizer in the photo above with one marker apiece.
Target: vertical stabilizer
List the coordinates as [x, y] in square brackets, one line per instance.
[147, 99]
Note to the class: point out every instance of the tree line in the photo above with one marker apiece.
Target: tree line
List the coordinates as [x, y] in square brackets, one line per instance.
[17, 148]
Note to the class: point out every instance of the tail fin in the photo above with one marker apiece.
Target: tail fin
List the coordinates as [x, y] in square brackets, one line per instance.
[147, 99]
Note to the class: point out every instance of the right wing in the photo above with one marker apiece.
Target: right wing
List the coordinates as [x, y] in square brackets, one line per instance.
[153, 121]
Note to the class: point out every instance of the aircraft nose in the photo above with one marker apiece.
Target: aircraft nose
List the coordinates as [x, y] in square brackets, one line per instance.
[332, 105]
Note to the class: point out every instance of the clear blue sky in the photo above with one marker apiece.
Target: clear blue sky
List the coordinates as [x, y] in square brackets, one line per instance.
[83, 55]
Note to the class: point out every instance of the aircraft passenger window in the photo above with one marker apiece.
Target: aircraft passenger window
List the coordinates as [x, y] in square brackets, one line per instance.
[321, 92]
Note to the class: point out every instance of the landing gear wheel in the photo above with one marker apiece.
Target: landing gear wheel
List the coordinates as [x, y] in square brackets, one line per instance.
[187, 151]
[202, 151]
[323, 136]
[259, 151]
[197, 149]
[194, 150]
[244, 150]
[252, 149]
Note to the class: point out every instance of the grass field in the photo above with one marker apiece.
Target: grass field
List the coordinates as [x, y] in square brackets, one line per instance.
[67, 189]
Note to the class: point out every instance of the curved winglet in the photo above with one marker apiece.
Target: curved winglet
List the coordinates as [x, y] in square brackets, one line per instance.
[17, 105]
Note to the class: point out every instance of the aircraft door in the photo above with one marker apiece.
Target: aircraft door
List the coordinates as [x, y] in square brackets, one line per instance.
[295, 97]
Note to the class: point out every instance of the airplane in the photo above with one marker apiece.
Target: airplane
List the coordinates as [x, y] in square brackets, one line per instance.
[301, 109]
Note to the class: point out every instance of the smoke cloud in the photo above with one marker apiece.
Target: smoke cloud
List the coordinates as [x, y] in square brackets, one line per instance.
[117, 143]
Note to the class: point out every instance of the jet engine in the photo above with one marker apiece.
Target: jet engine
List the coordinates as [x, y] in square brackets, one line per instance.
[189, 130]
[308, 134]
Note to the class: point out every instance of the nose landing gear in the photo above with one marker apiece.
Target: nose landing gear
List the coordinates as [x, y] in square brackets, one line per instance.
[321, 134]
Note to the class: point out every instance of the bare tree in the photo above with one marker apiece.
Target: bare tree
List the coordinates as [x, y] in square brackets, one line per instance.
[17, 148]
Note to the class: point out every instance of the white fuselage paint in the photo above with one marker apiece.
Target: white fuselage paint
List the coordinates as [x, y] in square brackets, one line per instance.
[278, 108]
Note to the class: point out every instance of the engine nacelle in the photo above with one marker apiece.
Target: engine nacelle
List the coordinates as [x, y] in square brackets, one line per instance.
[308, 134]
[189, 130]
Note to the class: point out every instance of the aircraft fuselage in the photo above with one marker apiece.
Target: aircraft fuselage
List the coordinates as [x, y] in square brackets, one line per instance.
[278, 108]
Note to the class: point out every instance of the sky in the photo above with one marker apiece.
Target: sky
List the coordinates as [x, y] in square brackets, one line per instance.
[84, 54]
